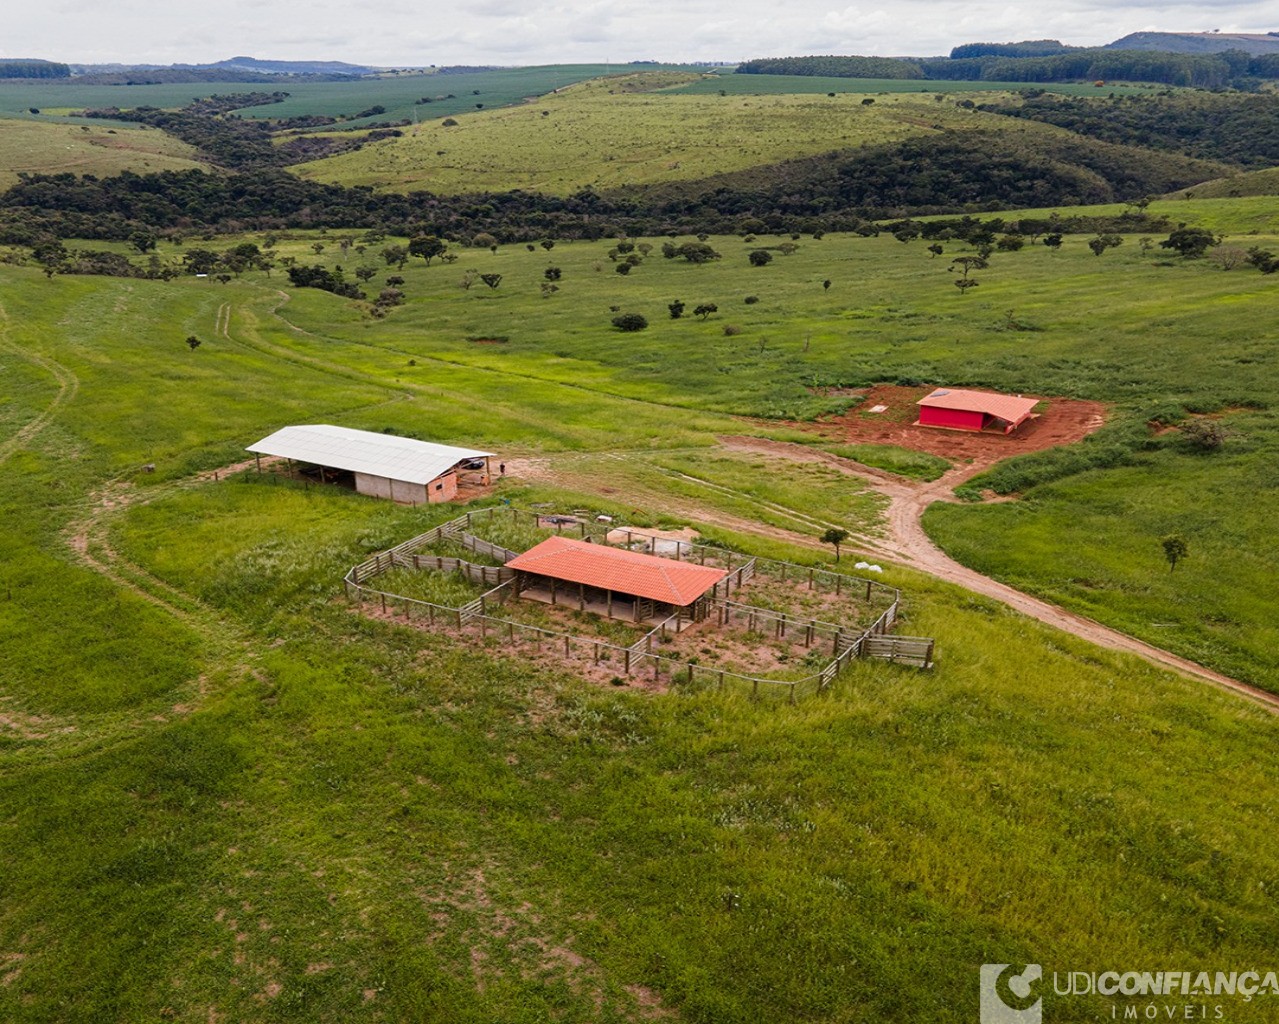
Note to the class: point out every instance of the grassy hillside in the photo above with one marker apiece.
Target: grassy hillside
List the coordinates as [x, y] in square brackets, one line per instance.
[618, 132]
[1250, 183]
[227, 796]
[603, 134]
[51, 148]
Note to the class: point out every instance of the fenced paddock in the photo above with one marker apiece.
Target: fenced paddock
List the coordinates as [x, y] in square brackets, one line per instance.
[487, 618]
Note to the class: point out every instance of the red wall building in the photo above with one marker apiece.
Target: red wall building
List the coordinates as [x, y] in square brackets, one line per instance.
[957, 409]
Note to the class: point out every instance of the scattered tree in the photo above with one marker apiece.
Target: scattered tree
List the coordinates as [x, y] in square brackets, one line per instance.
[760, 257]
[1175, 549]
[1010, 243]
[1053, 240]
[552, 273]
[427, 247]
[835, 537]
[1190, 243]
[826, 285]
[492, 280]
[676, 309]
[705, 310]
[193, 342]
[548, 244]
[145, 241]
[630, 321]
[935, 250]
[1103, 242]
[395, 255]
[365, 274]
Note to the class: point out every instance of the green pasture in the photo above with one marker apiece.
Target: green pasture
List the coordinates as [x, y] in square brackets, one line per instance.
[613, 132]
[226, 793]
[100, 148]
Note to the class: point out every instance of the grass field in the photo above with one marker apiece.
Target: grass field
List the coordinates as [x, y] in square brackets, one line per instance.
[226, 793]
[615, 132]
[55, 148]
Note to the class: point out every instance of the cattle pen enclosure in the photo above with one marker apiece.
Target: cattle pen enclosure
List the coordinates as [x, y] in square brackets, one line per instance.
[767, 627]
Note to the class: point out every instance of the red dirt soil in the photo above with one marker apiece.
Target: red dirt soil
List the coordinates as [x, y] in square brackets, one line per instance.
[1064, 421]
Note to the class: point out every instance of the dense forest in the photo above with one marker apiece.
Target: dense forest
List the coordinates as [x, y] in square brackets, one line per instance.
[33, 69]
[992, 62]
[1240, 130]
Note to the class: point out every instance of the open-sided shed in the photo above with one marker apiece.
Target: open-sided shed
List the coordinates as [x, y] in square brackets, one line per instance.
[613, 581]
[958, 409]
[383, 465]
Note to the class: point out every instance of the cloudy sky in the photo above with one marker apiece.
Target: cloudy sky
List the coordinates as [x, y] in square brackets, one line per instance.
[414, 32]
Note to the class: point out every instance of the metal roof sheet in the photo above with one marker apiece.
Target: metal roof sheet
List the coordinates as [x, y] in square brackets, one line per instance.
[362, 451]
[1004, 407]
[618, 570]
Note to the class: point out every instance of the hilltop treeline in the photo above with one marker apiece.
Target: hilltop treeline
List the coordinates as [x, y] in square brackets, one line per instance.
[1235, 129]
[833, 67]
[33, 69]
[1209, 70]
[1026, 48]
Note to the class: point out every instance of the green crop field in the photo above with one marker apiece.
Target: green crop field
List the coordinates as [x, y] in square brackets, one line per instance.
[618, 132]
[102, 149]
[397, 93]
[227, 795]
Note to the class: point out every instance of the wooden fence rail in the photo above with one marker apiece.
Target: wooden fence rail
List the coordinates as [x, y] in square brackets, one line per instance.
[846, 644]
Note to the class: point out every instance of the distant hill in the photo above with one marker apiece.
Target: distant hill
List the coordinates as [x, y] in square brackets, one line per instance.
[1198, 42]
[289, 67]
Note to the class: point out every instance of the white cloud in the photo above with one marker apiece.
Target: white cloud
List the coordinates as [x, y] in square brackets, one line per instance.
[401, 32]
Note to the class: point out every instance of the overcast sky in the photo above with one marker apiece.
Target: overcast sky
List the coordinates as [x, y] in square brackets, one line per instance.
[419, 32]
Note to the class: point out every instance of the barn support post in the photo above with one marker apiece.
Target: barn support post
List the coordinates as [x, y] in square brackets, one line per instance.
[430, 613]
[383, 604]
[626, 662]
[581, 598]
[868, 591]
[837, 582]
[258, 459]
[610, 603]
[810, 579]
[553, 600]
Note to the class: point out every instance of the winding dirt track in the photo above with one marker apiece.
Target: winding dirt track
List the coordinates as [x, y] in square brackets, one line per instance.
[907, 542]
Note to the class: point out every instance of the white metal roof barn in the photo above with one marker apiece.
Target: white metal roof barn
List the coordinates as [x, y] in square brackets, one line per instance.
[384, 465]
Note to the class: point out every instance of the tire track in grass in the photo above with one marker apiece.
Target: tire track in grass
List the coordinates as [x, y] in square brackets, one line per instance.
[68, 388]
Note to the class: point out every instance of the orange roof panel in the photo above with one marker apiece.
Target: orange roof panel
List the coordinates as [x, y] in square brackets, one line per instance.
[1011, 408]
[623, 572]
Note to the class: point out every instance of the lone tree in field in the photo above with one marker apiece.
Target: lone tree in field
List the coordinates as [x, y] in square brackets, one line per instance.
[964, 265]
[835, 537]
[492, 280]
[705, 310]
[193, 342]
[1175, 549]
[428, 247]
[676, 309]
[760, 257]
[1190, 243]
[630, 322]
[1103, 242]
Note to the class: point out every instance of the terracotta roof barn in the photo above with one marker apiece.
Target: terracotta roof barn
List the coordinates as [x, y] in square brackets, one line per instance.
[622, 572]
[384, 465]
[958, 409]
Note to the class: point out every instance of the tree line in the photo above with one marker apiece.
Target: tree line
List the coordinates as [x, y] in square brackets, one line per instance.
[1014, 62]
[1239, 129]
[33, 69]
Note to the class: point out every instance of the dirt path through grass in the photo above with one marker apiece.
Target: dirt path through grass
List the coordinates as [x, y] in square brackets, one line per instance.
[68, 386]
[907, 542]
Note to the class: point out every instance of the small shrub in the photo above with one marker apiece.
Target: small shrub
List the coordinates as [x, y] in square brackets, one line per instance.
[732, 329]
[630, 321]
[750, 300]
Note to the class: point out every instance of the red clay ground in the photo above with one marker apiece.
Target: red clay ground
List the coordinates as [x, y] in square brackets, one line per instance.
[1062, 421]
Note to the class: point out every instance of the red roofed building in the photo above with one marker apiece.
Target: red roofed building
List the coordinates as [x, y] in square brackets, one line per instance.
[957, 409]
[616, 582]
